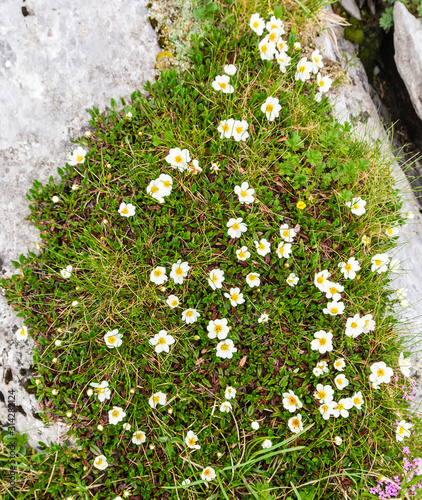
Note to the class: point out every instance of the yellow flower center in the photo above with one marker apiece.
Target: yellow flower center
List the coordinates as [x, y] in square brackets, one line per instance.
[321, 84]
[356, 401]
[225, 127]
[380, 372]
[296, 422]
[252, 277]
[179, 271]
[355, 206]
[234, 297]
[166, 184]
[401, 430]
[100, 390]
[272, 37]
[286, 233]
[207, 472]
[322, 341]
[239, 129]
[302, 69]
[354, 325]
[348, 267]
[214, 278]
[242, 254]
[157, 272]
[178, 159]
[292, 401]
[22, 331]
[79, 158]
[223, 85]
[334, 310]
[154, 189]
[243, 193]
[339, 381]
[264, 48]
[192, 441]
[99, 461]
[115, 413]
[320, 280]
[269, 108]
[236, 226]
[261, 246]
[174, 303]
[340, 406]
[378, 262]
[324, 408]
[321, 394]
[224, 347]
[125, 211]
[218, 328]
[333, 290]
[161, 341]
[156, 399]
[255, 24]
[112, 340]
[281, 250]
[189, 314]
[338, 363]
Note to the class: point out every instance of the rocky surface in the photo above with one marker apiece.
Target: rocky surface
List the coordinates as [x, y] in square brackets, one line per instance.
[408, 53]
[351, 8]
[358, 104]
[56, 60]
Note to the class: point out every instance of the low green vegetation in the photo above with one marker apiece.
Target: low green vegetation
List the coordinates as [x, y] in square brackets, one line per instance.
[143, 260]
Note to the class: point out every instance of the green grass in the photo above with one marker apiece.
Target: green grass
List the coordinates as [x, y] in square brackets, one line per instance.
[303, 155]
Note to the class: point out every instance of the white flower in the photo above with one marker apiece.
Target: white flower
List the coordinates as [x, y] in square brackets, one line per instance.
[303, 71]
[226, 407]
[230, 392]
[369, 325]
[162, 341]
[321, 280]
[342, 408]
[172, 301]
[240, 132]
[288, 234]
[113, 339]
[282, 47]
[322, 342]
[191, 441]
[255, 425]
[218, 329]
[275, 23]
[392, 231]
[357, 400]
[66, 273]
[284, 250]
[297, 46]
[380, 373]
[318, 96]
[245, 193]
[354, 326]
[225, 349]
[185, 482]
[126, 210]
[222, 82]
[317, 371]
[324, 83]
[230, 69]
[190, 316]
[380, 263]
[410, 214]
[75, 303]
[226, 128]
[322, 365]
[271, 108]
[337, 440]
[235, 296]
[317, 63]
[178, 158]
[263, 247]
[326, 409]
[179, 270]
[333, 291]
[357, 206]
[216, 279]
[214, 167]
[405, 365]
[102, 390]
[156, 189]
[324, 393]
[341, 381]
[252, 279]
[157, 398]
[139, 437]
[236, 227]
[349, 268]
[58, 343]
[266, 49]
[116, 415]
[334, 308]
[292, 279]
[257, 24]
[366, 240]
[263, 318]
[167, 184]
[22, 333]
[339, 364]
[158, 275]
[208, 474]
[77, 156]
[295, 424]
[242, 254]
[282, 58]
[267, 444]
[126, 426]
[401, 292]
[403, 430]
[100, 462]
[291, 402]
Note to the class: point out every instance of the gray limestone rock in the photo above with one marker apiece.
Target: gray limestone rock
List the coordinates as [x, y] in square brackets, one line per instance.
[56, 60]
[408, 53]
[351, 8]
